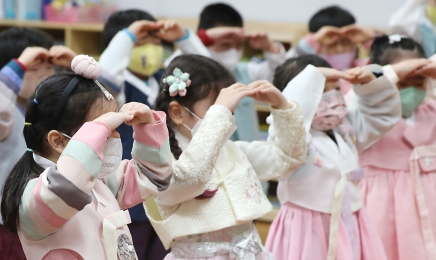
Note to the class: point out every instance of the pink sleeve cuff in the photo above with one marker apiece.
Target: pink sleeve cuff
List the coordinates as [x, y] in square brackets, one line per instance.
[95, 135]
[153, 135]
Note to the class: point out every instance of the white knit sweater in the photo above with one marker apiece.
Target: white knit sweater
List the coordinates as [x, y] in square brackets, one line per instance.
[210, 162]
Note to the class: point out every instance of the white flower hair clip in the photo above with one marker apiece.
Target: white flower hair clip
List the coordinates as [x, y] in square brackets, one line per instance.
[396, 38]
[178, 82]
[89, 68]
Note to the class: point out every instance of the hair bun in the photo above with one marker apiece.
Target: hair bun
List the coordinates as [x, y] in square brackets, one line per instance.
[86, 66]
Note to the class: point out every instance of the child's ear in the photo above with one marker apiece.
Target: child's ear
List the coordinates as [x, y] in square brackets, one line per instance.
[176, 112]
[57, 141]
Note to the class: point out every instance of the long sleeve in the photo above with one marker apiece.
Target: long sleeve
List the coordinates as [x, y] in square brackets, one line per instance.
[115, 59]
[194, 168]
[406, 19]
[149, 172]
[12, 76]
[374, 110]
[64, 189]
[306, 89]
[188, 44]
[265, 70]
[287, 152]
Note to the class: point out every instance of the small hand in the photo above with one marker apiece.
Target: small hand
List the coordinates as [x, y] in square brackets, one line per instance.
[32, 56]
[62, 56]
[114, 119]
[358, 34]
[428, 70]
[142, 28]
[264, 91]
[231, 96]
[260, 41]
[170, 30]
[361, 76]
[334, 75]
[142, 113]
[408, 68]
[327, 35]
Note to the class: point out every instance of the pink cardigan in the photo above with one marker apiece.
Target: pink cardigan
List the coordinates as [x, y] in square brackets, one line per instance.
[64, 211]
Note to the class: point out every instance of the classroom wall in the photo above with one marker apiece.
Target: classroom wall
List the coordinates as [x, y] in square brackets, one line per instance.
[368, 12]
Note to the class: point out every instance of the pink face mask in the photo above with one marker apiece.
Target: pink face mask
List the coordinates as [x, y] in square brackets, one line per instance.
[331, 110]
[340, 61]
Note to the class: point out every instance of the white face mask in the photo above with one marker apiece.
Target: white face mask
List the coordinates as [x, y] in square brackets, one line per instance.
[197, 125]
[112, 153]
[229, 59]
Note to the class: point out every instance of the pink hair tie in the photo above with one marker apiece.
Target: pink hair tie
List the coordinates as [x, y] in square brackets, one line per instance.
[88, 67]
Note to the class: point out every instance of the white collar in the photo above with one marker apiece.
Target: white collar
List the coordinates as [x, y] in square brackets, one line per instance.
[43, 162]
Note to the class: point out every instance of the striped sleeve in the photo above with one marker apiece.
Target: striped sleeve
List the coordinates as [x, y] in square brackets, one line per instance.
[308, 45]
[12, 75]
[60, 192]
[149, 172]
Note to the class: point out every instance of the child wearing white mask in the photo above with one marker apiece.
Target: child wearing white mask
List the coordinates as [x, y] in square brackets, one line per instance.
[66, 197]
[215, 193]
[221, 30]
[399, 184]
[417, 19]
[322, 214]
[335, 37]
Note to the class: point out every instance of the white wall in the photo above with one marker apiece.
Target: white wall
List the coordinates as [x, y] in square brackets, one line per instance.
[368, 12]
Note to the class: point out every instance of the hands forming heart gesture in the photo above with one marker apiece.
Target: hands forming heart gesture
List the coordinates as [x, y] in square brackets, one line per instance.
[58, 55]
[328, 35]
[168, 30]
[257, 40]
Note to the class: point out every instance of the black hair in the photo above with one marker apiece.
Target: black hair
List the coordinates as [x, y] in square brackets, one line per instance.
[207, 77]
[384, 52]
[292, 67]
[75, 113]
[330, 16]
[120, 20]
[13, 41]
[219, 14]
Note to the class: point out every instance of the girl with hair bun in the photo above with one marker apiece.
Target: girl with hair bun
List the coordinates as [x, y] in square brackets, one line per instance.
[67, 194]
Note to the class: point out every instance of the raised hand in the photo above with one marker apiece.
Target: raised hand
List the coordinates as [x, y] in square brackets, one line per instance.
[264, 91]
[141, 113]
[334, 75]
[61, 56]
[428, 70]
[142, 28]
[32, 56]
[170, 30]
[231, 96]
[327, 35]
[114, 119]
[410, 67]
[261, 41]
[361, 76]
[358, 34]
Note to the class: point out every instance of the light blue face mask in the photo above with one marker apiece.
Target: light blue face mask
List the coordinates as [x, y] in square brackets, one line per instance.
[411, 98]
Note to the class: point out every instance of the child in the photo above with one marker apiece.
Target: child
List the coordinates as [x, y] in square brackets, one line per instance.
[417, 19]
[13, 42]
[399, 169]
[221, 30]
[64, 196]
[133, 59]
[335, 36]
[215, 192]
[321, 214]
